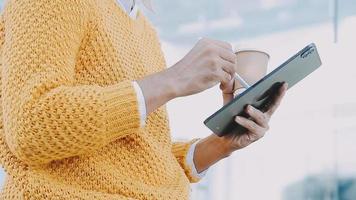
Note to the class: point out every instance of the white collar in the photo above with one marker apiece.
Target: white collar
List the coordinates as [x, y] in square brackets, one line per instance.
[126, 5]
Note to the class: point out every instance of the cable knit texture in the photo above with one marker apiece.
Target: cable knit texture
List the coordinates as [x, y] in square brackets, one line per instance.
[70, 124]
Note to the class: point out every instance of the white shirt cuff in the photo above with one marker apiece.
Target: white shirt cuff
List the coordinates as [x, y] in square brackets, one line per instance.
[190, 162]
[141, 103]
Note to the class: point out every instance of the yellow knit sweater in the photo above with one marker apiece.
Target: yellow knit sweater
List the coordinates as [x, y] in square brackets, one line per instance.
[70, 124]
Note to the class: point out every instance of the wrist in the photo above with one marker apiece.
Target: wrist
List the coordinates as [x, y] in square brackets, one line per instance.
[157, 90]
[209, 151]
[170, 84]
[225, 148]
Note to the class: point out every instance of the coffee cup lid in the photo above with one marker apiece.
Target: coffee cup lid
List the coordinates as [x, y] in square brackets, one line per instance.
[239, 48]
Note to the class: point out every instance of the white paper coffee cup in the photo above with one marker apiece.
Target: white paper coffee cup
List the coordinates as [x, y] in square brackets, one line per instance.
[251, 65]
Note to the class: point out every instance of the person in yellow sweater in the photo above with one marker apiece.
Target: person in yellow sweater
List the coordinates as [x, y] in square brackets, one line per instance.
[74, 74]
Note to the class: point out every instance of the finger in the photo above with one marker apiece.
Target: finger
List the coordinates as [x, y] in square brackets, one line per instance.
[259, 117]
[250, 125]
[224, 77]
[227, 92]
[277, 99]
[228, 67]
[227, 88]
[228, 55]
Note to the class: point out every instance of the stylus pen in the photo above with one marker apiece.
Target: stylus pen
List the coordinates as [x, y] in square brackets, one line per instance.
[242, 81]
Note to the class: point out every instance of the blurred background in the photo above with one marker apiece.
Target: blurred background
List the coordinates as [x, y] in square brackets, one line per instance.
[309, 152]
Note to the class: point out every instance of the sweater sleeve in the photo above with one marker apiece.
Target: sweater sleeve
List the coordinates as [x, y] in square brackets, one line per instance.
[180, 151]
[46, 116]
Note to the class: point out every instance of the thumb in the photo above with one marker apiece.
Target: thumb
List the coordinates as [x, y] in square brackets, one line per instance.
[228, 87]
[227, 91]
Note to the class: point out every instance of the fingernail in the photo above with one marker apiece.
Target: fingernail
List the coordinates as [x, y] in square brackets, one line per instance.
[237, 118]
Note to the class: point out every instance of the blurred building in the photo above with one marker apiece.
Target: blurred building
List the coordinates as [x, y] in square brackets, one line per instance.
[322, 187]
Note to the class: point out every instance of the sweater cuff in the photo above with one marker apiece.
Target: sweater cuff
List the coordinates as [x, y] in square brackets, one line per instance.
[122, 113]
[180, 150]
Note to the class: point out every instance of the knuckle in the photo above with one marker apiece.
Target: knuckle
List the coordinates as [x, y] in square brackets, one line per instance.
[223, 79]
[233, 65]
[230, 68]
[210, 49]
[261, 119]
[256, 137]
[209, 78]
[226, 79]
[215, 76]
[253, 126]
[214, 62]
[226, 44]
[245, 124]
[261, 135]
[252, 138]
[265, 118]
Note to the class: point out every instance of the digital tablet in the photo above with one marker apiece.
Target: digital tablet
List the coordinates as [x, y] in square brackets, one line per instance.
[258, 95]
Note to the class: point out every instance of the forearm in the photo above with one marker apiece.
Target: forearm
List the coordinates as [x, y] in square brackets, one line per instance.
[158, 89]
[209, 151]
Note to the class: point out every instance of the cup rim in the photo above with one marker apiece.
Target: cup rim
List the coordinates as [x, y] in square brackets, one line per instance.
[251, 49]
